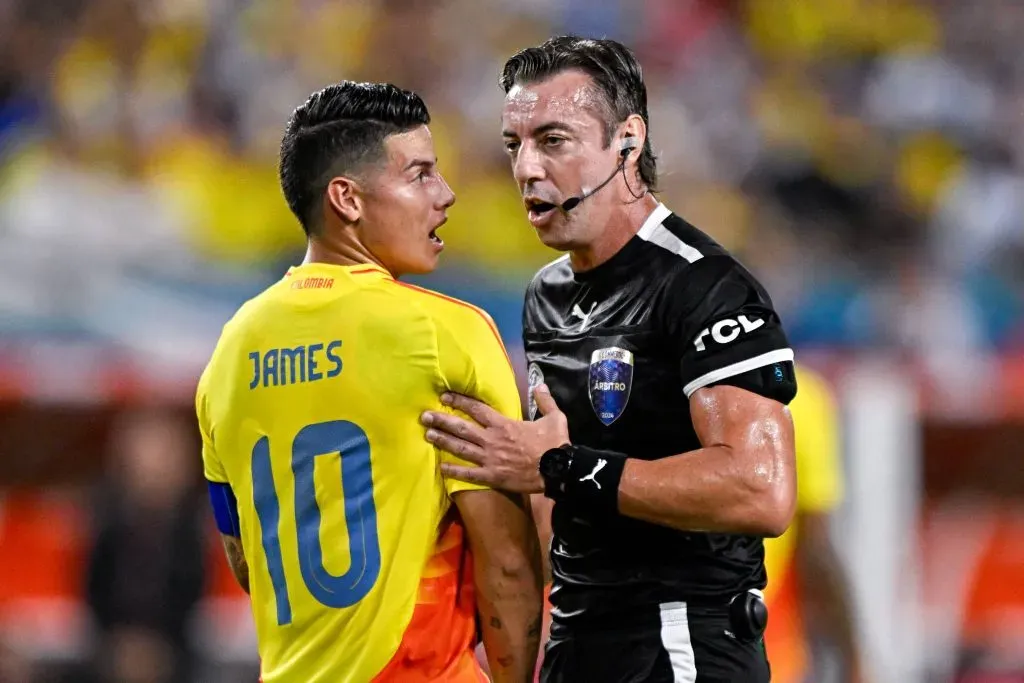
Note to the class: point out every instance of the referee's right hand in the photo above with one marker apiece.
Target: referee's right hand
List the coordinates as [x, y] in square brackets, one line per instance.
[507, 451]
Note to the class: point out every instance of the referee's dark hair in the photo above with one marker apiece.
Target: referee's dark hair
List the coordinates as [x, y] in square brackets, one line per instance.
[616, 73]
[339, 131]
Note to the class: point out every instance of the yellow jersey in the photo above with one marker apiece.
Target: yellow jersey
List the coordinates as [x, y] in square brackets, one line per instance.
[819, 473]
[819, 486]
[309, 410]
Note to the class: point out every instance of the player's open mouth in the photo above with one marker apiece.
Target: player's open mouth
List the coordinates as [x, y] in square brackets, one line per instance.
[433, 236]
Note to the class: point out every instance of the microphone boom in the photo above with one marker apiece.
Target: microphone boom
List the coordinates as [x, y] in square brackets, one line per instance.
[572, 202]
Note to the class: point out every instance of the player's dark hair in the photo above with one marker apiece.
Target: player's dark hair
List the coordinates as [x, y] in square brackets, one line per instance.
[617, 77]
[336, 132]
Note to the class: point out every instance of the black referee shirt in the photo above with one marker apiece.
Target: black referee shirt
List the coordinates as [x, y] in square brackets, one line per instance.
[622, 347]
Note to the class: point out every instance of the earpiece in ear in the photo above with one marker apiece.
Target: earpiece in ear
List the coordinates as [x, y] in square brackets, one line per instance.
[628, 144]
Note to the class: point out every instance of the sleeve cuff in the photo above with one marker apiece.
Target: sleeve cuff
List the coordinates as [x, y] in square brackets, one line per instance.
[777, 356]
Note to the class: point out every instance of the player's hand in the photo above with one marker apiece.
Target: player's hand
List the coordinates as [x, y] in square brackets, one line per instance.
[507, 451]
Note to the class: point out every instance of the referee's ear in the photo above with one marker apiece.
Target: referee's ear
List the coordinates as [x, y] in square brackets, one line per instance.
[634, 127]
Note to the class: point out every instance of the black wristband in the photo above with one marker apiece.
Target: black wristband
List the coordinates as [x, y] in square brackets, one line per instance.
[591, 480]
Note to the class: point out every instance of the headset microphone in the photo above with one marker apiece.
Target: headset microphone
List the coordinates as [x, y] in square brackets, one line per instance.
[624, 147]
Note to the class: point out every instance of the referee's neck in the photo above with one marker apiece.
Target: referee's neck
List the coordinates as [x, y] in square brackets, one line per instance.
[619, 227]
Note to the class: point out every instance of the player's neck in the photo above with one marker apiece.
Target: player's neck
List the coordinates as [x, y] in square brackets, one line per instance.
[620, 225]
[339, 252]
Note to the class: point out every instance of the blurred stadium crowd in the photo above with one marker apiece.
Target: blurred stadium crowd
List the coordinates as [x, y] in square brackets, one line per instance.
[865, 158]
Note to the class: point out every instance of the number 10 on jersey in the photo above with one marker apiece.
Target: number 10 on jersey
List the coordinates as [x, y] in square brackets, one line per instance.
[313, 441]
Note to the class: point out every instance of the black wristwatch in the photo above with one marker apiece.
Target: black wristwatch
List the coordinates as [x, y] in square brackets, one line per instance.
[554, 466]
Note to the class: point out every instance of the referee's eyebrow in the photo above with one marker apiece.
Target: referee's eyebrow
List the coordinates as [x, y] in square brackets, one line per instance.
[548, 127]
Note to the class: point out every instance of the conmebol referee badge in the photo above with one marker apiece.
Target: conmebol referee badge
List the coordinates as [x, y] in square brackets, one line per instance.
[534, 378]
[611, 377]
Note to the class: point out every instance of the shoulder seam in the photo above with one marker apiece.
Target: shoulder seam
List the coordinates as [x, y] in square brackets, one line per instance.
[433, 327]
[654, 232]
[682, 267]
[465, 304]
[538, 276]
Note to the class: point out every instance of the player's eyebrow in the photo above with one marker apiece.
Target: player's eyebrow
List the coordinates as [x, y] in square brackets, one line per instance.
[544, 128]
[425, 163]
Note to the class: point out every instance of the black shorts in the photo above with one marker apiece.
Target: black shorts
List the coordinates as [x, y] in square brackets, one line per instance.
[674, 643]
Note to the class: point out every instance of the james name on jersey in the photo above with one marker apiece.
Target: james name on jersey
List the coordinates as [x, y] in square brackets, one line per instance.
[296, 365]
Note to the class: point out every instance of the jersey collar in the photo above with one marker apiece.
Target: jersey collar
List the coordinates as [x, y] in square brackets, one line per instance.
[360, 269]
[630, 255]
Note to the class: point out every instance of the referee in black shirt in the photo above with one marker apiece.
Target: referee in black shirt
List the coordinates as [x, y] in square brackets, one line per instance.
[674, 454]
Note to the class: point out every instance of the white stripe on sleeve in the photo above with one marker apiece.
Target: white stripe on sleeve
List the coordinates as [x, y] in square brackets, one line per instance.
[777, 356]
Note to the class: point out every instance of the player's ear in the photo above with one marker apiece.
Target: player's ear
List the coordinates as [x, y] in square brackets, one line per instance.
[343, 199]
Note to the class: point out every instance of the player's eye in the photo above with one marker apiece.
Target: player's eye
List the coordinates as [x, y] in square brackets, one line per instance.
[511, 146]
[423, 175]
[553, 140]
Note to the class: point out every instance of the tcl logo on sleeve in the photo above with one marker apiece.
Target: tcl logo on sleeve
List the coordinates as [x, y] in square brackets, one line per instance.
[726, 331]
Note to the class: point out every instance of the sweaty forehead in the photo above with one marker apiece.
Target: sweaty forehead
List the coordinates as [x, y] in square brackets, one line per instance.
[569, 98]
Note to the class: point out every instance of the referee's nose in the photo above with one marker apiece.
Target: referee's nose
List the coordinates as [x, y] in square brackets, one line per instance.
[528, 166]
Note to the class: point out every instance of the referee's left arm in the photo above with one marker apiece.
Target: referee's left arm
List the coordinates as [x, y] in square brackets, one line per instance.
[736, 369]
[741, 481]
[734, 365]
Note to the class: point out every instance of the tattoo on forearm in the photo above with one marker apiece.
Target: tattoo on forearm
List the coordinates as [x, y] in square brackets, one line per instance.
[236, 558]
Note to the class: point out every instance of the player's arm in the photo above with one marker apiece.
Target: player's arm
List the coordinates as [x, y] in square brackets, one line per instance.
[225, 512]
[499, 525]
[542, 508]
[222, 498]
[236, 559]
[506, 560]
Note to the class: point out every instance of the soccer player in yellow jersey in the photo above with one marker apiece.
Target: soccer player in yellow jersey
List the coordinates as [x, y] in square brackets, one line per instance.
[363, 562]
[807, 592]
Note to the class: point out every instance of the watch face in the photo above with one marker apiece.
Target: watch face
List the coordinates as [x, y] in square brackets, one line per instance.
[554, 463]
